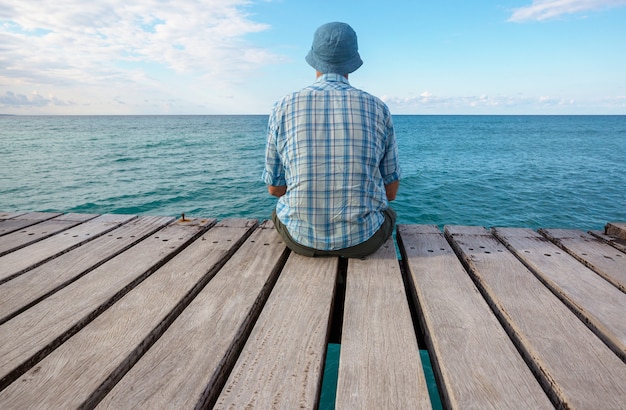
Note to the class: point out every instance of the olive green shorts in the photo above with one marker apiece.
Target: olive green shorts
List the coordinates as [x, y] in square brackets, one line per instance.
[357, 251]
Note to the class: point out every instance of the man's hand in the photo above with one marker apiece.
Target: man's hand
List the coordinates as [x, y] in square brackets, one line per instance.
[277, 191]
[392, 190]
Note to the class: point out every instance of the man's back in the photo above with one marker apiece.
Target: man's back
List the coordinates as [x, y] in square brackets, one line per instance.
[336, 148]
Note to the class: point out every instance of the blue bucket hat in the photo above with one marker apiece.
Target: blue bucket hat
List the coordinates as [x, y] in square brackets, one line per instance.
[334, 49]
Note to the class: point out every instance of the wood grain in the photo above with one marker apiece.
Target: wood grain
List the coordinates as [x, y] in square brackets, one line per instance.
[189, 364]
[33, 255]
[575, 367]
[30, 287]
[105, 348]
[28, 337]
[380, 365]
[602, 258]
[478, 366]
[617, 243]
[601, 305]
[13, 221]
[281, 363]
[153, 314]
[39, 231]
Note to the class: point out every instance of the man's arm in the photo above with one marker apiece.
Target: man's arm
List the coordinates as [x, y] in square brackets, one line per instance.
[392, 190]
[277, 191]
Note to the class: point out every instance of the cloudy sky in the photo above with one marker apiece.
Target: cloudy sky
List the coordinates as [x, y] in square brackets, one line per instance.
[239, 56]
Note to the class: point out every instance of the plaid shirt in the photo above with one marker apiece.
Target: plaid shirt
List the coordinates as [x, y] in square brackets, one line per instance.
[334, 147]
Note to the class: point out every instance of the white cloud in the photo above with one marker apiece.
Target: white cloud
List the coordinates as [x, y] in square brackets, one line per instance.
[541, 10]
[101, 44]
[35, 100]
[427, 102]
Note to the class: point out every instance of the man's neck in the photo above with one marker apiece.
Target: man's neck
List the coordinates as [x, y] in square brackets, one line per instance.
[318, 75]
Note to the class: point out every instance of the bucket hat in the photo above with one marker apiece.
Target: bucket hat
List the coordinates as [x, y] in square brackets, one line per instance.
[334, 49]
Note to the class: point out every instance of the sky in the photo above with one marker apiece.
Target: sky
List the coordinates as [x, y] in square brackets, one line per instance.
[160, 57]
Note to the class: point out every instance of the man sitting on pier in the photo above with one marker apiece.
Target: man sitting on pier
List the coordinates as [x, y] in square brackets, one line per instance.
[332, 157]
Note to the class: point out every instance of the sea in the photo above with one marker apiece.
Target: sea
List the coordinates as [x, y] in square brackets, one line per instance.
[491, 171]
[513, 171]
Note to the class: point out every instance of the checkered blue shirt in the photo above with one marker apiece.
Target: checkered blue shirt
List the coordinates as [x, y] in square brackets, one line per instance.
[334, 147]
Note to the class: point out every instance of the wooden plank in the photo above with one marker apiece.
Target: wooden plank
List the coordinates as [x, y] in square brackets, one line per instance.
[575, 367]
[208, 335]
[617, 243]
[28, 337]
[42, 230]
[598, 303]
[17, 221]
[10, 215]
[281, 363]
[617, 229]
[97, 356]
[380, 365]
[602, 258]
[22, 259]
[477, 364]
[31, 216]
[32, 286]
[35, 216]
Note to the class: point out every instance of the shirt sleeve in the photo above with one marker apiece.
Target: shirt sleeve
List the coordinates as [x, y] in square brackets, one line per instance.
[389, 165]
[274, 173]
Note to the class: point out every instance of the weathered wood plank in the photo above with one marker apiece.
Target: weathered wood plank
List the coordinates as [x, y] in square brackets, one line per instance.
[10, 215]
[28, 337]
[20, 260]
[617, 229]
[281, 363]
[600, 304]
[30, 287]
[602, 258]
[380, 365]
[477, 364]
[97, 356]
[617, 243]
[42, 230]
[575, 367]
[15, 221]
[208, 335]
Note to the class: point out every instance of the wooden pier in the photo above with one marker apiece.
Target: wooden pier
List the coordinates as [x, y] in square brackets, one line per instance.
[120, 311]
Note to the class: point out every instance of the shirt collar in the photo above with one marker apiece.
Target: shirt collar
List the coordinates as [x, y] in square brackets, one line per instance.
[332, 77]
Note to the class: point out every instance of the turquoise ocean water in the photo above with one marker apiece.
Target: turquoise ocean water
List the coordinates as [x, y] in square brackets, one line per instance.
[524, 171]
[520, 171]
